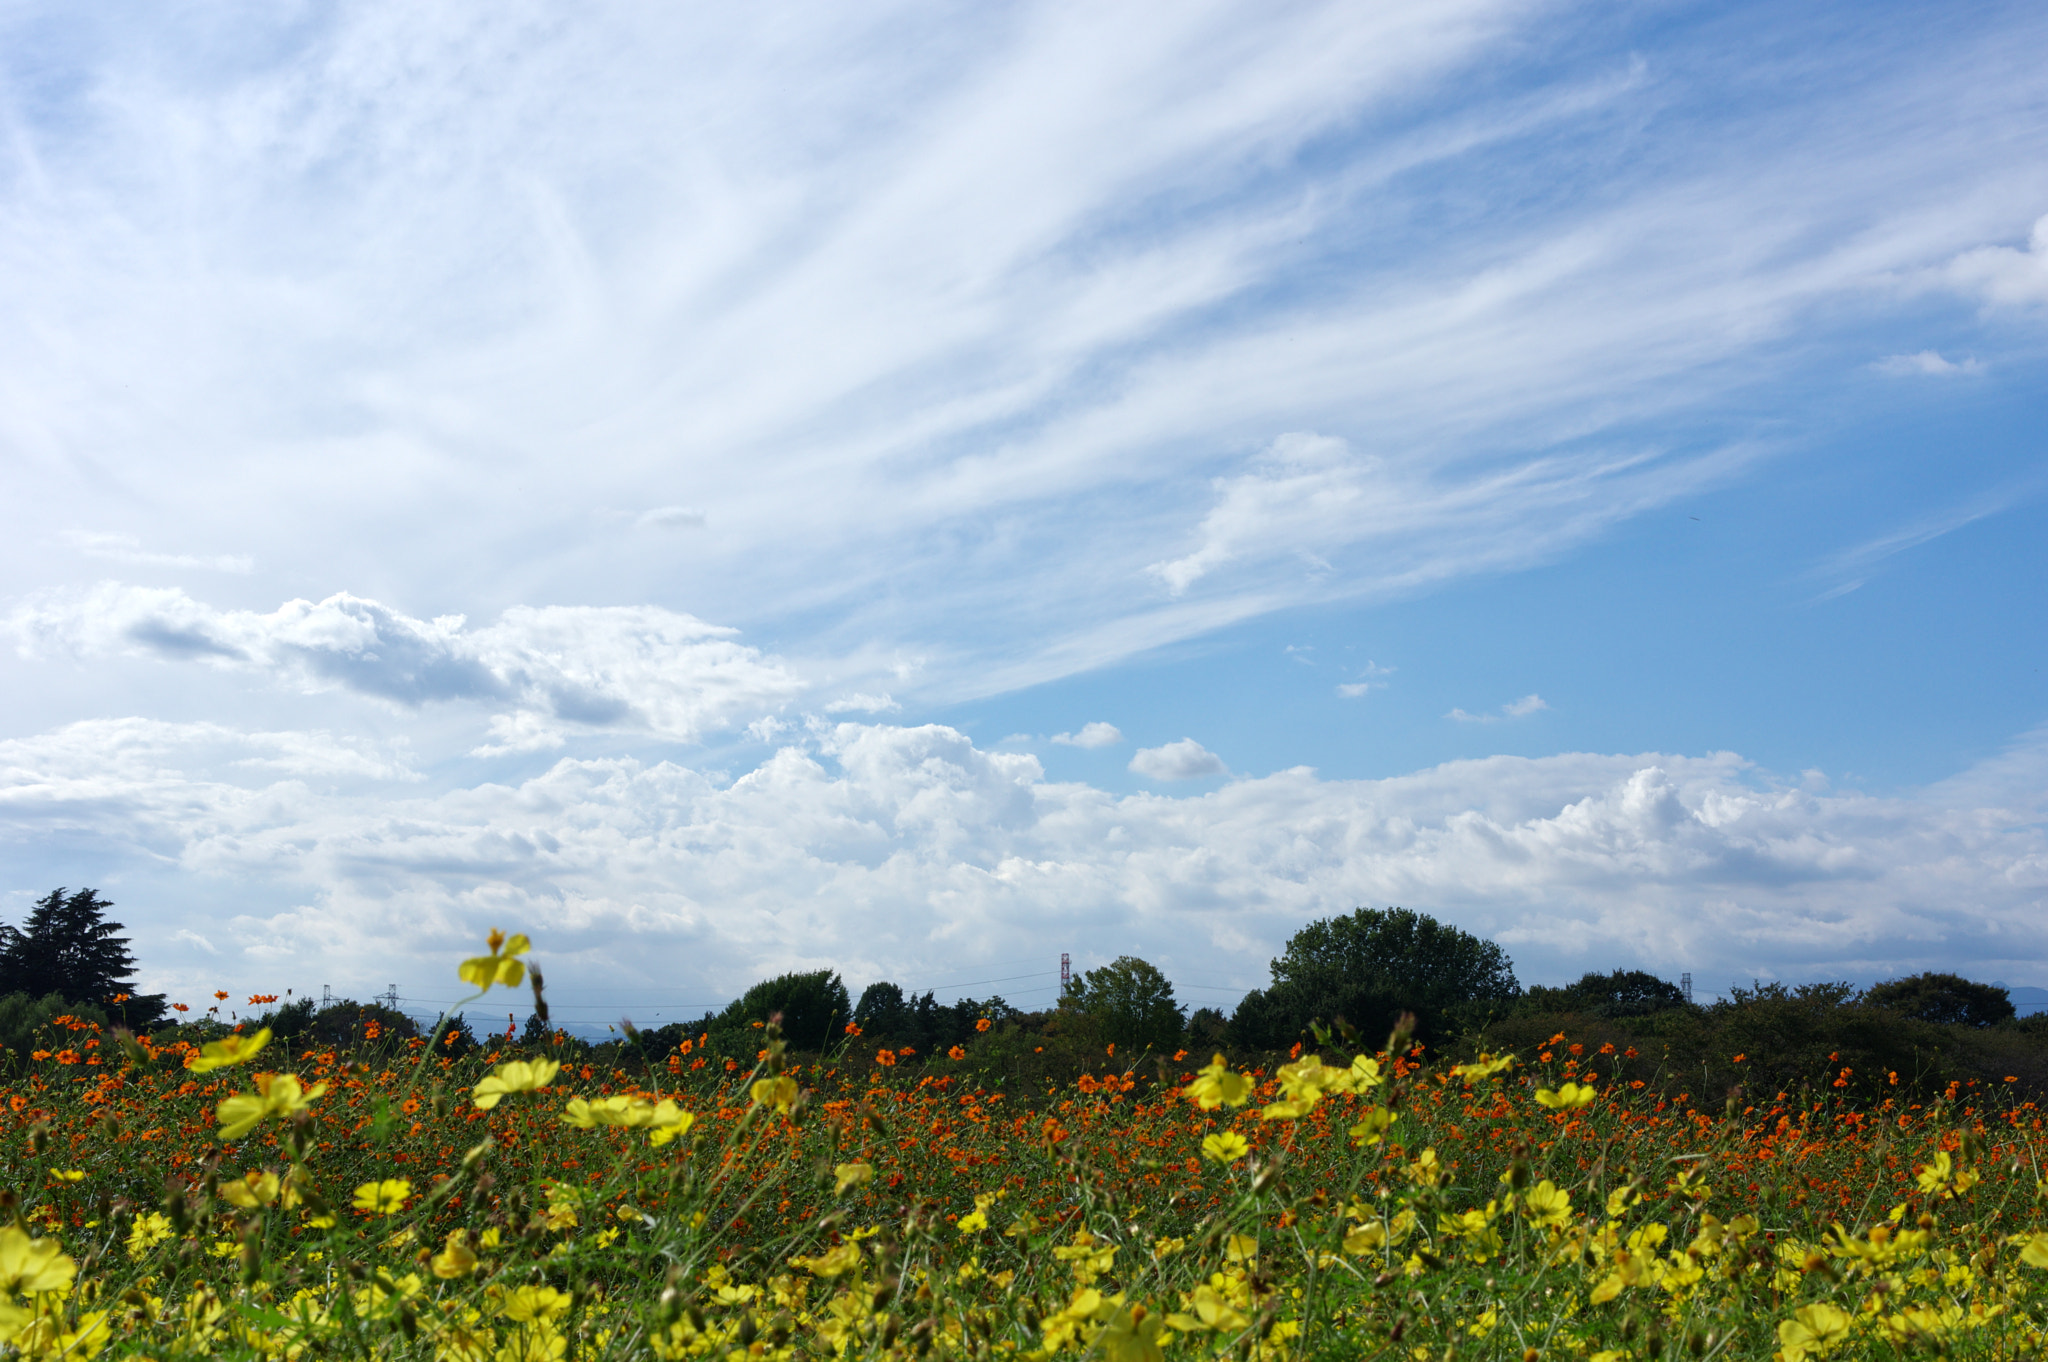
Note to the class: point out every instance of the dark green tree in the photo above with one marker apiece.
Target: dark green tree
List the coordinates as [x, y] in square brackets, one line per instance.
[882, 1013]
[813, 1005]
[1619, 993]
[1131, 1001]
[1367, 968]
[1946, 998]
[67, 947]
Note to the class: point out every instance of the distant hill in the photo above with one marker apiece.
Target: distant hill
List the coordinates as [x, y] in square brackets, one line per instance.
[2027, 1000]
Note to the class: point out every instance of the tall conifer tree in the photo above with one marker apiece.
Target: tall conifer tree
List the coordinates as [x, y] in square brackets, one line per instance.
[67, 947]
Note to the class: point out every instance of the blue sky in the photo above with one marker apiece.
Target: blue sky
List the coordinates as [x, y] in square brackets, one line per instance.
[684, 484]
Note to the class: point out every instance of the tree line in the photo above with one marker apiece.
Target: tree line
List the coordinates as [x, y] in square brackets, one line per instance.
[1357, 975]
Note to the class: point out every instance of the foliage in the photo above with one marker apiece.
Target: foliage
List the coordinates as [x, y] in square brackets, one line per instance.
[813, 1006]
[67, 947]
[1621, 993]
[1370, 967]
[1946, 998]
[886, 1016]
[1131, 1002]
[1550, 1203]
[27, 1021]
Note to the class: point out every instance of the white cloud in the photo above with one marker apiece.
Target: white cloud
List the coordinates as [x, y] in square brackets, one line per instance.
[2004, 275]
[1097, 734]
[1514, 709]
[897, 852]
[1925, 362]
[1369, 681]
[564, 668]
[126, 548]
[862, 703]
[671, 518]
[1307, 506]
[956, 341]
[1182, 760]
[1853, 565]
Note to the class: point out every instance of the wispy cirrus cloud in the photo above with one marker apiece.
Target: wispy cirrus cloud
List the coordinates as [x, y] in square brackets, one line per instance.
[1050, 396]
[126, 548]
[1926, 363]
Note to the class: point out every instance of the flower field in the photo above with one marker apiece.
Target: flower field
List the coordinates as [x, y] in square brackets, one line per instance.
[232, 1199]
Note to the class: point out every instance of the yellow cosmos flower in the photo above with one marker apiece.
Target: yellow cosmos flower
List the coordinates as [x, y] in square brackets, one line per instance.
[779, 1093]
[852, 1175]
[1215, 1085]
[1566, 1098]
[1208, 1310]
[1944, 1178]
[668, 1122]
[501, 966]
[31, 1266]
[147, 1232]
[219, 1054]
[1486, 1066]
[833, 1262]
[250, 1190]
[383, 1198]
[518, 1075]
[1131, 1334]
[1546, 1204]
[277, 1095]
[457, 1259]
[1813, 1330]
[540, 1304]
[1225, 1147]
[1372, 1127]
[664, 1118]
[2035, 1254]
[68, 1174]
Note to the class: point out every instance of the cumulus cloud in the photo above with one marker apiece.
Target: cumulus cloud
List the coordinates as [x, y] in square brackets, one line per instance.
[906, 852]
[2004, 275]
[560, 668]
[1183, 760]
[1097, 734]
[1514, 709]
[1926, 362]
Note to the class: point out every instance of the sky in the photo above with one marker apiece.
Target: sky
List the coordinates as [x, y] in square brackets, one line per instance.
[920, 488]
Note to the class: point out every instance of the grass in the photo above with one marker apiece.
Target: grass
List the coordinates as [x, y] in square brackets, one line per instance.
[839, 1206]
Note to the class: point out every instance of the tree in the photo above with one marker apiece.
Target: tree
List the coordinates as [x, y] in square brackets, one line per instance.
[813, 1005]
[67, 947]
[882, 1013]
[1620, 993]
[1947, 998]
[1367, 968]
[1132, 1001]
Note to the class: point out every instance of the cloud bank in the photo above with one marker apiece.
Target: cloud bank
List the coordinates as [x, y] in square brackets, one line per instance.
[558, 669]
[908, 852]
